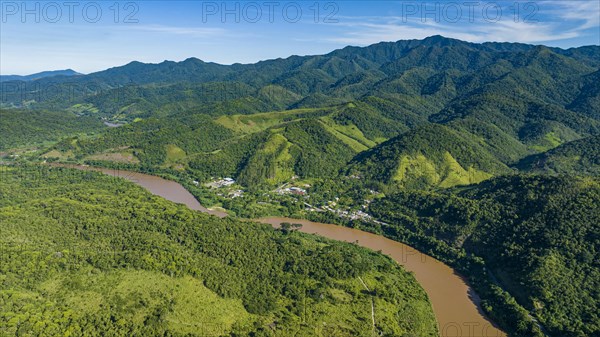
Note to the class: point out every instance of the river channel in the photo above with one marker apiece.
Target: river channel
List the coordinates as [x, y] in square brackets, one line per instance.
[455, 304]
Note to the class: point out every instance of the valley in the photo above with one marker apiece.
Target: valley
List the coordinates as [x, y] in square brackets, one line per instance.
[482, 156]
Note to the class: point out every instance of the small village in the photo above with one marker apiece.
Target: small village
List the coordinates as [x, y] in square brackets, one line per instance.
[342, 212]
[227, 188]
[218, 183]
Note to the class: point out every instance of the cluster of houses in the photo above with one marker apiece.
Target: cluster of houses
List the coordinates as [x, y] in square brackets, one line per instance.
[291, 190]
[236, 194]
[352, 215]
[224, 182]
[220, 183]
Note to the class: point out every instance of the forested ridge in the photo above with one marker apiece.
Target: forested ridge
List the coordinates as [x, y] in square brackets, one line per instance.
[577, 157]
[19, 127]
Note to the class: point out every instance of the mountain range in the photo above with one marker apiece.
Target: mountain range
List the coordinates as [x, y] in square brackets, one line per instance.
[493, 104]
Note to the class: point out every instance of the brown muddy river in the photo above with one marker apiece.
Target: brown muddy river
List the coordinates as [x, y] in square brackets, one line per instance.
[454, 303]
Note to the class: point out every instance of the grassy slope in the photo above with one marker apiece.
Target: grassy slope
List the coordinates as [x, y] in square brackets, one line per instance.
[445, 173]
[432, 155]
[262, 121]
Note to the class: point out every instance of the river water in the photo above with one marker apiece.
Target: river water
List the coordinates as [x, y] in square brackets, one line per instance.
[455, 304]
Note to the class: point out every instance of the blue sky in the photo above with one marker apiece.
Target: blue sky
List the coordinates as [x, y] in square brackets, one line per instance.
[89, 36]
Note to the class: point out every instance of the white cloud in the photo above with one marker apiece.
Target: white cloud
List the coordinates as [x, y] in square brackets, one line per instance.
[587, 13]
[368, 33]
[189, 31]
[510, 31]
[552, 21]
[502, 31]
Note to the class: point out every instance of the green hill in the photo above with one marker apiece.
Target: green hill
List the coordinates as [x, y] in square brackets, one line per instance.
[432, 155]
[150, 140]
[577, 157]
[431, 72]
[588, 100]
[307, 148]
[257, 149]
[516, 99]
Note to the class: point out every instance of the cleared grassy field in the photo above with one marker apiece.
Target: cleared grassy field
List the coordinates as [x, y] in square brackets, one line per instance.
[262, 121]
[126, 156]
[349, 134]
[174, 153]
[447, 174]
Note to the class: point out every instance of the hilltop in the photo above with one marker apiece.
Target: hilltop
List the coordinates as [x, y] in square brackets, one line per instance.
[40, 75]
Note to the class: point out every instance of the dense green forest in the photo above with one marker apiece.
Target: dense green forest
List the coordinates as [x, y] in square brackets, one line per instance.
[432, 137]
[32, 127]
[85, 254]
[538, 236]
[577, 157]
